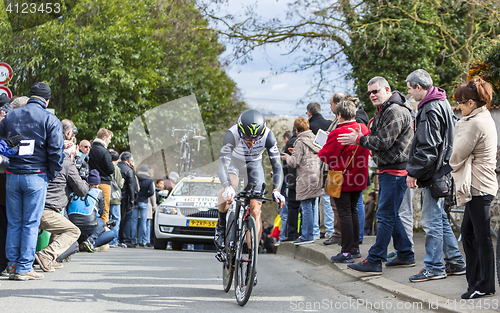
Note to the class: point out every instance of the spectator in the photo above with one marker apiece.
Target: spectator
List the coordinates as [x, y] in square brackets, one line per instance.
[369, 213]
[293, 206]
[361, 117]
[129, 196]
[159, 193]
[473, 161]
[353, 161]
[150, 217]
[94, 233]
[100, 160]
[64, 233]
[18, 101]
[82, 159]
[170, 181]
[429, 156]
[304, 159]
[389, 141]
[283, 211]
[38, 161]
[5, 106]
[317, 122]
[115, 199]
[140, 212]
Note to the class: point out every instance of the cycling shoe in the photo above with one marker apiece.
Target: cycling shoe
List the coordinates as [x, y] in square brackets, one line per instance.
[220, 237]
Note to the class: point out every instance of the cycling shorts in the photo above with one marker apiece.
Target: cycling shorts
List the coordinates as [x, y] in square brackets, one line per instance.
[248, 171]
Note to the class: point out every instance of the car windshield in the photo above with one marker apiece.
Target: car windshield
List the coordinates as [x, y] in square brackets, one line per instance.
[194, 188]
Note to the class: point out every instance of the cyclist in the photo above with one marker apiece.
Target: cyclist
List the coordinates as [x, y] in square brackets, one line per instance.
[241, 152]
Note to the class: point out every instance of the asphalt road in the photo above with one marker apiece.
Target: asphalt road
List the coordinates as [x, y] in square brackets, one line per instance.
[147, 280]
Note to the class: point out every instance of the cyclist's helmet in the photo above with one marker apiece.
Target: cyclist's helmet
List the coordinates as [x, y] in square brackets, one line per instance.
[251, 125]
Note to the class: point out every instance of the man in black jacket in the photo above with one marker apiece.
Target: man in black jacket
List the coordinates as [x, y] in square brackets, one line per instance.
[64, 233]
[100, 160]
[316, 120]
[129, 196]
[146, 190]
[429, 155]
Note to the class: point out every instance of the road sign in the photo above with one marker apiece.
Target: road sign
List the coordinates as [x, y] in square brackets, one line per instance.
[5, 73]
[5, 91]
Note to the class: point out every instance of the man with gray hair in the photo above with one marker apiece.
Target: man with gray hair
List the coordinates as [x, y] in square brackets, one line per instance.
[389, 142]
[429, 155]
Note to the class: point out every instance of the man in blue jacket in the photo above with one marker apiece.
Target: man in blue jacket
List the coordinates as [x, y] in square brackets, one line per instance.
[38, 161]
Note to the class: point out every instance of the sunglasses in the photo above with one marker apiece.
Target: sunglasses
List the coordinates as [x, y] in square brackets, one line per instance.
[248, 138]
[373, 92]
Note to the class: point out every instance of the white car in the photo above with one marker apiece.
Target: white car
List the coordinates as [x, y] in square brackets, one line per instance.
[189, 214]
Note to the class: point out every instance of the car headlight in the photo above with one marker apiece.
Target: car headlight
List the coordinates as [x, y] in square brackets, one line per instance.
[170, 210]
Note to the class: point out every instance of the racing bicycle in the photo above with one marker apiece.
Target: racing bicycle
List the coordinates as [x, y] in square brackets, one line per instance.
[239, 256]
[184, 161]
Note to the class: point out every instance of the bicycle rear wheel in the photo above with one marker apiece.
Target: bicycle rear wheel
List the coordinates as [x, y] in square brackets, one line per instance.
[228, 264]
[246, 261]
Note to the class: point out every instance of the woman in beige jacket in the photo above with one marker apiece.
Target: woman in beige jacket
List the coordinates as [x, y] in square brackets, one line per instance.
[474, 162]
[305, 159]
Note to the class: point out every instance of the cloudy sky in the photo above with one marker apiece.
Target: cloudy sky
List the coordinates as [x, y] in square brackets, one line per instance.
[280, 94]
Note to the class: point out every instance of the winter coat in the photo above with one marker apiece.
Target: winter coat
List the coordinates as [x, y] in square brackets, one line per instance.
[338, 156]
[130, 187]
[146, 187]
[390, 134]
[43, 130]
[66, 182]
[475, 136]
[100, 160]
[117, 177]
[305, 159]
[432, 143]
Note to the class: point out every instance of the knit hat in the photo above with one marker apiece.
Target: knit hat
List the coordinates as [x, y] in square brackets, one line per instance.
[94, 178]
[114, 155]
[143, 168]
[41, 90]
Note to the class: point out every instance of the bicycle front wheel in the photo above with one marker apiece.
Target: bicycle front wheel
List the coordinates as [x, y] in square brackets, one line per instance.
[246, 261]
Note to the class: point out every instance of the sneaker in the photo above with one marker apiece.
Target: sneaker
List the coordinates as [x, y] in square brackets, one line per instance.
[131, 245]
[301, 241]
[56, 265]
[367, 267]
[220, 237]
[114, 245]
[44, 262]
[121, 245]
[277, 243]
[88, 246]
[473, 294]
[317, 237]
[340, 258]
[332, 240]
[356, 254]
[12, 271]
[454, 269]
[401, 263]
[425, 275]
[391, 256]
[5, 273]
[28, 276]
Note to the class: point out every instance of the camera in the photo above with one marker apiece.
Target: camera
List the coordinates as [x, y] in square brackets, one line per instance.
[111, 223]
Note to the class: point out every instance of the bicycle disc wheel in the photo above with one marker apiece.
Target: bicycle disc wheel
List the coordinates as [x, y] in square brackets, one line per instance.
[228, 264]
[246, 261]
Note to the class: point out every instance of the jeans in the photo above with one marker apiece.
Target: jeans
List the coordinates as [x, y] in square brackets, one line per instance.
[478, 247]
[406, 214]
[307, 222]
[143, 235]
[392, 189]
[316, 231]
[360, 207]
[284, 219]
[115, 215]
[439, 237]
[328, 212]
[127, 226]
[25, 200]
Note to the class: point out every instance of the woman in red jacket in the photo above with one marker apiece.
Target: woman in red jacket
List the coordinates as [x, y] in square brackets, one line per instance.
[355, 179]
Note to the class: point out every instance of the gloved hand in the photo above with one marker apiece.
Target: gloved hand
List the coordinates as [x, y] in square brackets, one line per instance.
[229, 193]
[14, 140]
[279, 198]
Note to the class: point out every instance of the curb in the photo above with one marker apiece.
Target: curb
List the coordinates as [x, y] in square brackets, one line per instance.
[319, 255]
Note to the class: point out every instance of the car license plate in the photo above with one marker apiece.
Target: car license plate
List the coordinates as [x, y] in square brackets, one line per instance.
[196, 223]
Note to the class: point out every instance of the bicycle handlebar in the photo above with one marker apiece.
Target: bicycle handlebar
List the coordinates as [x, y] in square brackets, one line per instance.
[191, 130]
[252, 194]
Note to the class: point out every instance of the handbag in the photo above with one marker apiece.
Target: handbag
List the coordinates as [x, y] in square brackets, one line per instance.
[442, 187]
[334, 180]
